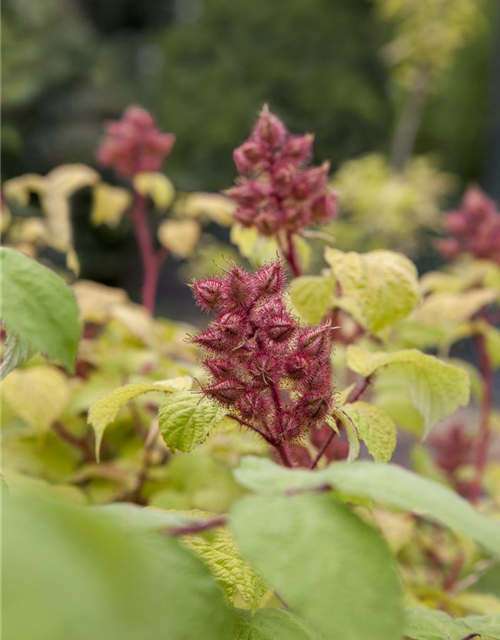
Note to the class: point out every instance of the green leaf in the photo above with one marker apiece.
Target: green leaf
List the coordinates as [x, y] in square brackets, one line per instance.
[383, 284]
[146, 519]
[17, 351]
[437, 389]
[423, 624]
[39, 309]
[312, 297]
[376, 429]
[492, 337]
[104, 411]
[186, 419]
[327, 564]
[270, 624]
[350, 429]
[230, 570]
[449, 308]
[70, 572]
[258, 249]
[386, 484]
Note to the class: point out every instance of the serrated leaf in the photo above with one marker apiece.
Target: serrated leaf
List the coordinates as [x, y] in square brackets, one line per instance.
[312, 297]
[179, 236]
[38, 308]
[37, 395]
[270, 624]
[375, 427]
[437, 389]
[423, 624]
[387, 484]
[186, 419]
[104, 411]
[327, 564]
[350, 429]
[383, 284]
[157, 186]
[109, 204]
[230, 570]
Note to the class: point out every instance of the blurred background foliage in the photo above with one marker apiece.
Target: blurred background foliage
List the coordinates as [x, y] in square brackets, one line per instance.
[349, 70]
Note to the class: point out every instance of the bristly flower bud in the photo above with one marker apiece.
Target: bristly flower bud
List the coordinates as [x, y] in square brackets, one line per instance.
[207, 293]
[134, 144]
[474, 229]
[275, 191]
[273, 374]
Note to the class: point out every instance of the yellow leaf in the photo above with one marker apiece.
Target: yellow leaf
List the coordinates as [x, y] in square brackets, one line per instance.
[258, 249]
[109, 205]
[213, 206]
[179, 236]
[157, 187]
[382, 284]
[96, 301]
[37, 395]
[19, 189]
[448, 307]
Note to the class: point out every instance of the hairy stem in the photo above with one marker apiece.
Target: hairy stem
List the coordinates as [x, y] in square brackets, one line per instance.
[323, 449]
[484, 435]
[261, 433]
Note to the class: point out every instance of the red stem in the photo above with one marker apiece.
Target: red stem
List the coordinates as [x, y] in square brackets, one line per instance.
[197, 527]
[291, 256]
[483, 440]
[151, 260]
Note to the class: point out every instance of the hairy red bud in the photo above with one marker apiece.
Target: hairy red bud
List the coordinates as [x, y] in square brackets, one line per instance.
[226, 392]
[207, 293]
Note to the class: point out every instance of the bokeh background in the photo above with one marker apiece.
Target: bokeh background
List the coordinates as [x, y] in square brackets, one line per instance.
[205, 67]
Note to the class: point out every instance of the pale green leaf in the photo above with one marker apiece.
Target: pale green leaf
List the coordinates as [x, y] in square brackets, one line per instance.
[376, 429]
[186, 419]
[312, 297]
[179, 236]
[423, 624]
[104, 411]
[38, 308]
[232, 572]
[437, 389]
[109, 204]
[258, 249]
[146, 519]
[383, 284]
[386, 484]
[328, 565]
[270, 624]
[449, 307]
[492, 337]
[16, 352]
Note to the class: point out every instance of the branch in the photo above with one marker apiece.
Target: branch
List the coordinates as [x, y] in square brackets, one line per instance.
[78, 443]
[358, 391]
[251, 426]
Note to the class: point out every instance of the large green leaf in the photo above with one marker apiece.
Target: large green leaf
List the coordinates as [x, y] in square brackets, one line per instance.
[375, 427]
[382, 284]
[423, 624]
[437, 389]
[104, 411]
[270, 624]
[326, 563]
[386, 484]
[39, 309]
[186, 419]
[71, 573]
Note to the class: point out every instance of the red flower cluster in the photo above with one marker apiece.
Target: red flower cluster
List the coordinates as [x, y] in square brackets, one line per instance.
[273, 374]
[474, 228]
[276, 191]
[134, 144]
[454, 449]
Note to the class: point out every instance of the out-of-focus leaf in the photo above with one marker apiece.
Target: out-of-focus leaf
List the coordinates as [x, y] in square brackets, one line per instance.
[423, 624]
[383, 284]
[212, 206]
[270, 624]
[324, 562]
[38, 395]
[312, 297]
[38, 308]
[376, 429]
[350, 429]
[109, 204]
[447, 308]
[157, 187]
[179, 236]
[437, 389]
[256, 248]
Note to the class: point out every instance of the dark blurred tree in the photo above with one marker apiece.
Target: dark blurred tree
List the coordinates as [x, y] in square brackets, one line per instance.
[316, 63]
